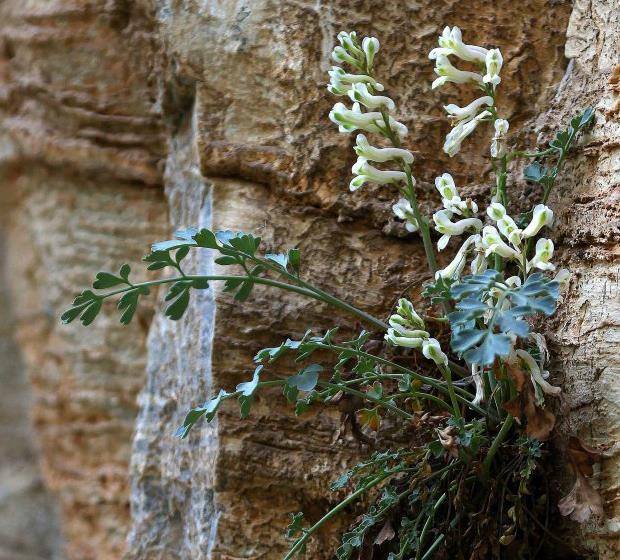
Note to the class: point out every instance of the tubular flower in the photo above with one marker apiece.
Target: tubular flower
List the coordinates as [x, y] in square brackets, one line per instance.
[349, 42]
[494, 244]
[505, 223]
[406, 327]
[454, 269]
[448, 73]
[493, 61]
[365, 150]
[349, 120]
[462, 130]
[432, 350]
[479, 262]
[450, 197]
[456, 113]
[451, 42]
[498, 145]
[340, 81]
[475, 374]
[403, 210]
[359, 92]
[445, 226]
[341, 56]
[366, 173]
[543, 216]
[536, 374]
[544, 252]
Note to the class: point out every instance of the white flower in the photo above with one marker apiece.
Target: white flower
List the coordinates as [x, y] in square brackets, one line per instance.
[340, 82]
[451, 42]
[544, 252]
[367, 173]
[475, 373]
[454, 269]
[448, 73]
[341, 56]
[493, 61]
[494, 244]
[359, 92]
[461, 131]
[479, 263]
[406, 327]
[370, 46]
[505, 223]
[456, 113]
[406, 310]
[403, 210]
[543, 216]
[445, 226]
[365, 150]
[536, 374]
[432, 350]
[498, 146]
[450, 197]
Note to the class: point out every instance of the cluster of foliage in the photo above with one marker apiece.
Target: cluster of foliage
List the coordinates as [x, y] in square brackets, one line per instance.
[470, 484]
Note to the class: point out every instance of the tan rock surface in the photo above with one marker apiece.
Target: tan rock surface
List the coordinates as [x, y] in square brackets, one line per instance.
[122, 120]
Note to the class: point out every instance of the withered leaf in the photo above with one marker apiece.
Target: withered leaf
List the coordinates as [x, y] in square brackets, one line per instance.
[370, 418]
[449, 441]
[540, 422]
[386, 534]
[581, 502]
[582, 457]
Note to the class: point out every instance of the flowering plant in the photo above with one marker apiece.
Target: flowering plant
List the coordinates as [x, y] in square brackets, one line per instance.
[475, 411]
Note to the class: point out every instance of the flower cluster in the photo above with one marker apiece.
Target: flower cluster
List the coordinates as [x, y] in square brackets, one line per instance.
[407, 329]
[466, 119]
[369, 113]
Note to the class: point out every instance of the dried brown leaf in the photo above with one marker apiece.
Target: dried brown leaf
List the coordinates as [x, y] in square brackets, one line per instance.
[582, 457]
[386, 534]
[449, 441]
[581, 502]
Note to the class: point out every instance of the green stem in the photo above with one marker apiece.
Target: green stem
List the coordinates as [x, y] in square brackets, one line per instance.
[334, 511]
[431, 516]
[456, 409]
[311, 293]
[499, 439]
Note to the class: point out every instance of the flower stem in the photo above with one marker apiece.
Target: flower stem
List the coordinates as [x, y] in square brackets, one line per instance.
[499, 439]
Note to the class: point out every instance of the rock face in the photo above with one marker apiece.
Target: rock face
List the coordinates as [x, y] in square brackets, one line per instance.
[123, 120]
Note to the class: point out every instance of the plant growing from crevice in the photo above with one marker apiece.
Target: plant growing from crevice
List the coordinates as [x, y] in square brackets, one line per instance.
[475, 411]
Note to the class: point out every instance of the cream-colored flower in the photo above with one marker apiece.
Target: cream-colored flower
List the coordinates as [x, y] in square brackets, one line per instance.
[448, 73]
[505, 223]
[493, 61]
[448, 228]
[536, 374]
[451, 199]
[451, 43]
[432, 350]
[360, 93]
[543, 216]
[542, 256]
[366, 173]
[403, 210]
[456, 266]
[364, 149]
[406, 327]
[494, 244]
[498, 144]
[340, 82]
[456, 113]
[462, 130]
[477, 378]
[370, 46]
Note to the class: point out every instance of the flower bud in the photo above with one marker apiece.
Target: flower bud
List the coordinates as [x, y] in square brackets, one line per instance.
[451, 43]
[370, 46]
